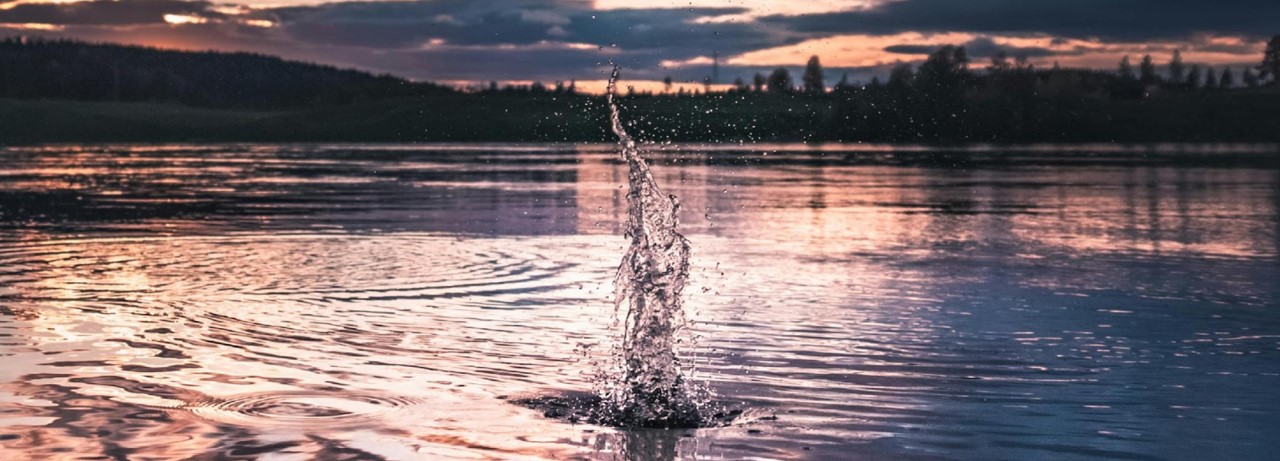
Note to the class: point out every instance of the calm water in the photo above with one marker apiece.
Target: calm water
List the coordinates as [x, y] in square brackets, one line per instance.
[384, 302]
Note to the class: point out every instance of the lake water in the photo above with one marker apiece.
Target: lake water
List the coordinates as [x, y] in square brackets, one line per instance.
[857, 302]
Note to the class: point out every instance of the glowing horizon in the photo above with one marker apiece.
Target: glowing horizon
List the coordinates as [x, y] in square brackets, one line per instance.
[548, 40]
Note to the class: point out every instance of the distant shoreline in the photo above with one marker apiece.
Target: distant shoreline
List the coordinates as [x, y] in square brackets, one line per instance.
[1242, 116]
[1264, 156]
[66, 91]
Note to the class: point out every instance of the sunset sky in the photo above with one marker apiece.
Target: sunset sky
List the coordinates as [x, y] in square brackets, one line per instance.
[547, 40]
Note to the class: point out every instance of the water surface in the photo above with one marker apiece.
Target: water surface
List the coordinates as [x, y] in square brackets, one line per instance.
[860, 302]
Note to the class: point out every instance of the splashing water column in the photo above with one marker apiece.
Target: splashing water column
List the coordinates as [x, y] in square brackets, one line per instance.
[652, 389]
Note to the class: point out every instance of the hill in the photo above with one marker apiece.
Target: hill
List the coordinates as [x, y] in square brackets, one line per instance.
[72, 70]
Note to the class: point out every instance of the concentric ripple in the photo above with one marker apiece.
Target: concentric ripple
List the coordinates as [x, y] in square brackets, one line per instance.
[296, 300]
[304, 409]
[376, 303]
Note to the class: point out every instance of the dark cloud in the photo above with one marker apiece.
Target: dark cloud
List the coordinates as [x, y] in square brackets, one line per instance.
[524, 22]
[570, 39]
[437, 39]
[103, 12]
[521, 39]
[495, 63]
[981, 47]
[1130, 20]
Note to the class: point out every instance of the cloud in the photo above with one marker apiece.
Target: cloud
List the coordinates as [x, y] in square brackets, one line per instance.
[574, 39]
[104, 12]
[1128, 20]
[521, 22]
[981, 47]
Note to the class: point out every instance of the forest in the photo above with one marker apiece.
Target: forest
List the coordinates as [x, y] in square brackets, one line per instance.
[69, 91]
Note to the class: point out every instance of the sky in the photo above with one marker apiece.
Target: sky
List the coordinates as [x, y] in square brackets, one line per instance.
[467, 41]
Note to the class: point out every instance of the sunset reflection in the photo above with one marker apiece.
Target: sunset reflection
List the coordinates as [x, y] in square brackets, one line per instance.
[389, 301]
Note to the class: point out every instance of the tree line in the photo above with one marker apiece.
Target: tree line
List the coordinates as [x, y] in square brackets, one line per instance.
[946, 98]
[1126, 82]
[33, 68]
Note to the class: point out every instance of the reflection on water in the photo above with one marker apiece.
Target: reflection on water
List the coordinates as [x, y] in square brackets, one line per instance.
[336, 302]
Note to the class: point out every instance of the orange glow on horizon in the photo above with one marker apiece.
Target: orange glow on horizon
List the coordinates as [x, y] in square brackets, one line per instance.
[869, 51]
[10, 5]
[34, 26]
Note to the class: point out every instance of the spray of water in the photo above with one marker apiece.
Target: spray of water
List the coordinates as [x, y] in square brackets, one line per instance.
[646, 384]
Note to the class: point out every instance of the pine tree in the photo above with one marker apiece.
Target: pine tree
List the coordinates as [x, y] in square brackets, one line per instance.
[1193, 77]
[843, 85]
[1147, 71]
[1126, 70]
[1270, 67]
[758, 81]
[1250, 79]
[780, 81]
[1228, 79]
[1210, 79]
[1177, 70]
[812, 78]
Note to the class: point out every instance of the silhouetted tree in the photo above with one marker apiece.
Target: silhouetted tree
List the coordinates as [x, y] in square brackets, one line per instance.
[1210, 79]
[666, 84]
[1177, 70]
[812, 78]
[941, 81]
[1228, 79]
[901, 76]
[844, 86]
[1126, 69]
[1269, 70]
[944, 72]
[1021, 64]
[1249, 78]
[740, 86]
[1193, 78]
[758, 81]
[900, 90]
[999, 63]
[780, 81]
[1147, 71]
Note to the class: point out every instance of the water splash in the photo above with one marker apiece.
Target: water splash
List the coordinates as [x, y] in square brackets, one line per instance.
[645, 384]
